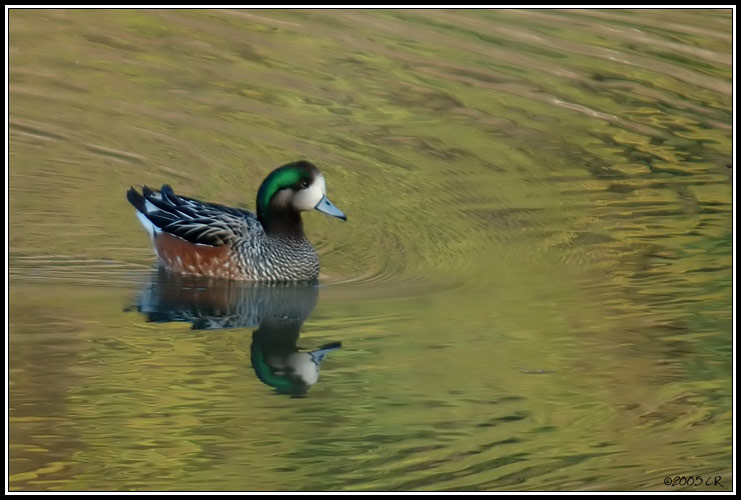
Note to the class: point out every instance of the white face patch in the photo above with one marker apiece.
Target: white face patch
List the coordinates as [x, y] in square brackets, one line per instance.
[307, 199]
[302, 364]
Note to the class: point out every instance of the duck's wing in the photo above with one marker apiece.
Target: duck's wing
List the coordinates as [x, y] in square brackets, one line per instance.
[193, 220]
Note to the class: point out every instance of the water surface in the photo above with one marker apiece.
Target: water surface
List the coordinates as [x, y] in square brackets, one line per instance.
[533, 290]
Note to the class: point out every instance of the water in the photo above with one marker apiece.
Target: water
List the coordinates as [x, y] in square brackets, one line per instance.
[533, 290]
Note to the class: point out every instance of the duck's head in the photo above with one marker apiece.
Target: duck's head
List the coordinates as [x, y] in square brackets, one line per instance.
[291, 189]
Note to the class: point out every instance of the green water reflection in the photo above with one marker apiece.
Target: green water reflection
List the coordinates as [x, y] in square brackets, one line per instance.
[534, 291]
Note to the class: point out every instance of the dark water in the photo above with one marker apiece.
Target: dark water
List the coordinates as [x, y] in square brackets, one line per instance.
[533, 290]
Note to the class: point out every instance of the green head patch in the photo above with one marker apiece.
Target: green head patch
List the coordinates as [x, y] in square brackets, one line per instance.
[291, 175]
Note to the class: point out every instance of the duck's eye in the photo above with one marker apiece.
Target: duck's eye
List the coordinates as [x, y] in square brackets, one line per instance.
[304, 184]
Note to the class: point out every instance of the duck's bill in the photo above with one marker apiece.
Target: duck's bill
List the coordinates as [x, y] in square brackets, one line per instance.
[318, 355]
[326, 206]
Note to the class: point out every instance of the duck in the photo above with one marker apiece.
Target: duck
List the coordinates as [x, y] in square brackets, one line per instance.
[198, 238]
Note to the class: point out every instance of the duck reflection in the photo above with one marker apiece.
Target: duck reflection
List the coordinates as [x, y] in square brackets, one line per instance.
[278, 312]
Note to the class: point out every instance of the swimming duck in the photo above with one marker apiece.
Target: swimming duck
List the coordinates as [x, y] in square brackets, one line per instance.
[207, 239]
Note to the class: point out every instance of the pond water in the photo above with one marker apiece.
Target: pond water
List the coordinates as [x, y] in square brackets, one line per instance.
[533, 290]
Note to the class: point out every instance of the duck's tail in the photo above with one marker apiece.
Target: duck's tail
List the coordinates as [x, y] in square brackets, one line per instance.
[147, 203]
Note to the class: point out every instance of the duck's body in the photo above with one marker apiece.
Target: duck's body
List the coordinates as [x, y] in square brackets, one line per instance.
[208, 239]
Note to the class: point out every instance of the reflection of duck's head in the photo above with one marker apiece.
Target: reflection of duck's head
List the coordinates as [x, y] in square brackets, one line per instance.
[289, 372]
[279, 311]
